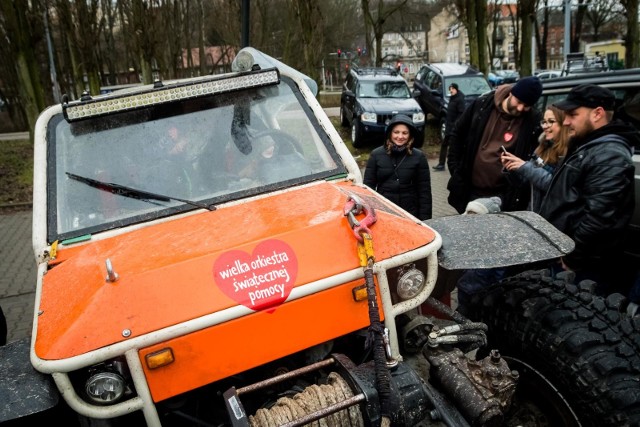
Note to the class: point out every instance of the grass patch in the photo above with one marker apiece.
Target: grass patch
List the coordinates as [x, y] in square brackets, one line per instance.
[16, 173]
[329, 99]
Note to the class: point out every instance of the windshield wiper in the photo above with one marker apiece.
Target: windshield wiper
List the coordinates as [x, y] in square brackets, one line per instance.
[133, 193]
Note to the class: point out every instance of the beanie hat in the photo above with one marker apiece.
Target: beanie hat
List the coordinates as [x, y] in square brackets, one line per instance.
[454, 85]
[486, 205]
[405, 120]
[527, 90]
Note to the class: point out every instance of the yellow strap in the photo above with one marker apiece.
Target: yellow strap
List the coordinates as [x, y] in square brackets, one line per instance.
[365, 250]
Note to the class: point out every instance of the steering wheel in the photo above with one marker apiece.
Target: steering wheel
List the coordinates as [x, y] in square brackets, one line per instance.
[280, 137]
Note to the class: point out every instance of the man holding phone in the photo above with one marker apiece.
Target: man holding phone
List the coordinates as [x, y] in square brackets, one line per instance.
[504, 119]
[591, 195]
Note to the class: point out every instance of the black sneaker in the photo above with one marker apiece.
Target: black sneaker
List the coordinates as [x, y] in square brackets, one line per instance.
[438, 168]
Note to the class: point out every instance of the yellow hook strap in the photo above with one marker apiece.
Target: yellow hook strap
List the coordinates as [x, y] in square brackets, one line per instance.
[365, 250]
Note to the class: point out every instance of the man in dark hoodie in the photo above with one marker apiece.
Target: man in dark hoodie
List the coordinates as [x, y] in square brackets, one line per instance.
[454, 110]
[591, 195]
[501, 119]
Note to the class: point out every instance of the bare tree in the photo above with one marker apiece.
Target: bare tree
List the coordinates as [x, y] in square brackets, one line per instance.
[632, 54]
[481, 19]
[526, 12]
[541, 37]
[473, 15]
[23, 32]
[577, 25]
[109, 53]
[602, 13]
[311, 23]
[374, 23]
[494, 11]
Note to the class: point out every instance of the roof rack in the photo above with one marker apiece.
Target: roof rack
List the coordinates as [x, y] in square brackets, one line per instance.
[374, 71]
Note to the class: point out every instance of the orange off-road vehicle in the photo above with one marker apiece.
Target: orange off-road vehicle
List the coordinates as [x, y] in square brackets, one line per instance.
[208, 256]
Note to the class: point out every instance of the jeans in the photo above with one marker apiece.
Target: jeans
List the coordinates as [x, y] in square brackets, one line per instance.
[443, 151]
[473, 281]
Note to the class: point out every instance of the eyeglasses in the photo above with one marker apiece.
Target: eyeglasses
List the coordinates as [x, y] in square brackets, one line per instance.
[544, 123]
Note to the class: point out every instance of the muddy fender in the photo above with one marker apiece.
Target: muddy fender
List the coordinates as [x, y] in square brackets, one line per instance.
[23, 390]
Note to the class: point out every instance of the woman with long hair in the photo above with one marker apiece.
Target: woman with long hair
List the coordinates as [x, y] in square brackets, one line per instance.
[552, 148]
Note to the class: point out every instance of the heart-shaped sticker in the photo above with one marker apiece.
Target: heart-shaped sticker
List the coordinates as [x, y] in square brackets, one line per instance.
[260, 280]
[508, 136]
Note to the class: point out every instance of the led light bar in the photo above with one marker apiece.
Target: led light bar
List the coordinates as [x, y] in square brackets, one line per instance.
[80, 110]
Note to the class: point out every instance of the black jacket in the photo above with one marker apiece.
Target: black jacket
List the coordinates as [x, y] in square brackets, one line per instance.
[403, 180]
[464, 143]
[591, 195]
[454, 110]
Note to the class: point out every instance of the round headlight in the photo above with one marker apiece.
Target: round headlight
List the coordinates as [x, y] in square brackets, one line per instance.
[105, 387]
[410, 283]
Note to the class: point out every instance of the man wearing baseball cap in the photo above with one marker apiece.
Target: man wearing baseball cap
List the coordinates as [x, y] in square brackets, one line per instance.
[591, 196]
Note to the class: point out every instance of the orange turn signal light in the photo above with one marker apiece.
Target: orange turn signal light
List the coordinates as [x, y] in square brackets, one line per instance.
[159, 358]
[360, 293]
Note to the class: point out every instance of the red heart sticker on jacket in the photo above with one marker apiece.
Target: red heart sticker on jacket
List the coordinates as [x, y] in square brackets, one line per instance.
[260, 280]
[508, 136]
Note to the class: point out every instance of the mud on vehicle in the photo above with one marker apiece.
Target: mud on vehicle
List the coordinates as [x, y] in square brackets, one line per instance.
[208, 255]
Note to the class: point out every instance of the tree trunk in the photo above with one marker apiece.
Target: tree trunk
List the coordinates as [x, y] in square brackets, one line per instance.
[481, 18]
[21, 17]
[632, 54]
[472, 31]
[527, 13]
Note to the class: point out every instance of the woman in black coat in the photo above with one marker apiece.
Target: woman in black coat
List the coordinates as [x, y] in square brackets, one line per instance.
[400, 172]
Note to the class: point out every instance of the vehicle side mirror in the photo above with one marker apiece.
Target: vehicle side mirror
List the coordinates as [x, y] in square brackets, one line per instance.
[435, 92]
[416, 93]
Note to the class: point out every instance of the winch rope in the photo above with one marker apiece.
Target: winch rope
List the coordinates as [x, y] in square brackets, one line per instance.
[355, 206]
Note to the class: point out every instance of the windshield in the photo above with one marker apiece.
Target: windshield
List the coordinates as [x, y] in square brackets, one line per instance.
[385, 89]
[470, 85]
[205, 150]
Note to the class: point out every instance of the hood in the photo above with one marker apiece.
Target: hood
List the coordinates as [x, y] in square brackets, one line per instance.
[191, 266]
[501, 93]
[626, 131]
[390, 105]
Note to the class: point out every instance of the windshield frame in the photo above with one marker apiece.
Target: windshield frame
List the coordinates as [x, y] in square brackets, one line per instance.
[223, 112]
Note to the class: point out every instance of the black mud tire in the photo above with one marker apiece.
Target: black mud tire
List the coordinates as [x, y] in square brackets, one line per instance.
[344, 121]
[442, 128]
[356, 134]
[585, 345]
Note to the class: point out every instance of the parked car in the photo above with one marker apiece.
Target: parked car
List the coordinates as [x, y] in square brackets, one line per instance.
[494, 79]
[370, 97]
[433, 80]
[508, 76]
[548, 74]
[580, 63]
